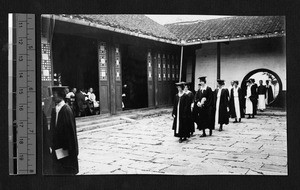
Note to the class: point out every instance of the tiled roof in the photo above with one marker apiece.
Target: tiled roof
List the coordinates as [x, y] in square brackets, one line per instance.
[228, 27]
[136, 24]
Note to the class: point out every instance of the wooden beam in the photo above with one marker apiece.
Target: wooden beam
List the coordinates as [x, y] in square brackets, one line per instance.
[180, 70]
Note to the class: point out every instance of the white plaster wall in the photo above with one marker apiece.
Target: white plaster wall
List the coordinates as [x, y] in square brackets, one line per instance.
[206, 64]
[241, 57]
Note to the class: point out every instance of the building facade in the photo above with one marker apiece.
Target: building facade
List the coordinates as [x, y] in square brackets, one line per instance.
[135, 56]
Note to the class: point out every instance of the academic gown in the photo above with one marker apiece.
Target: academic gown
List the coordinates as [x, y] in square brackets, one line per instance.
[64, 135]
[204, 116]
[181, 120]
[190, 114]
[254, 97]
[221, 108]
[241, 102]
[269, 94]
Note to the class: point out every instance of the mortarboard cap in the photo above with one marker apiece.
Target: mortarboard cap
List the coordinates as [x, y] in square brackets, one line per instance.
[221, 82]
[187, 83]
[61, 90]
[203, 78]
[180, 83]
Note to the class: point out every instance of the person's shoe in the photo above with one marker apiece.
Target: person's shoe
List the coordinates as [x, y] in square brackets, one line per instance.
[240, 120]
[203, 135]
[235, 121]
[180, 140]
[210, 132]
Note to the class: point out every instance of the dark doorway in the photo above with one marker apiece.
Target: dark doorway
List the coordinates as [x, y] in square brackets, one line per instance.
[134, 77]
[76, 59]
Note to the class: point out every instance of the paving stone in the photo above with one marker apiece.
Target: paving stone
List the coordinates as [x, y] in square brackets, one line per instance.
[148, 146]
[274, 168]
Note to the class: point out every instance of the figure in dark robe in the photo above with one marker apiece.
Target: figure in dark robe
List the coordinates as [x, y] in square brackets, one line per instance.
[254, 96]
[63, 136]
[261, 91]
[203, 107]
[236, 105]
[190, 103]
[269, 92]
[180, 114]
[221, 104]
[80, 103]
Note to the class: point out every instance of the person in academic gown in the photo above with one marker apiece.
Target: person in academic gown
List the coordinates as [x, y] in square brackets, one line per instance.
[248, 103]
[269, 93]
[221, 97]
[254, 96]
[63, 136]
[261, 90]
[181, 113]
[203, 106]
[236, 102]
[190, 102]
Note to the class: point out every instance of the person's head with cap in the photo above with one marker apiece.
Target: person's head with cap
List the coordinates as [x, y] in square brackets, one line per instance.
[59, 93]
[232, 82]
[252, 80]
[202, 80]
[220, 83]
[267, 82]
[235, 83]
[187, 86]
[180, 86]
[248, 82]
[260, 82]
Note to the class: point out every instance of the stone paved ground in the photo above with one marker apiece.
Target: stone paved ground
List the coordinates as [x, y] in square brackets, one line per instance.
[253, 147]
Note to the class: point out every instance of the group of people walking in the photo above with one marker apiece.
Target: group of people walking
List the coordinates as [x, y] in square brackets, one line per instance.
[208, 108]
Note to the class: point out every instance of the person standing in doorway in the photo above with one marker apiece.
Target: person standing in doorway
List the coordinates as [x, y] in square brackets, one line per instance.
[63, 136]
[269, 92]
[261, 90]
[80, 102]
[190, 102]
[181, 113]
[236, 103]
[254, 96]
[248, 103]
[221, 97]
[203, 102]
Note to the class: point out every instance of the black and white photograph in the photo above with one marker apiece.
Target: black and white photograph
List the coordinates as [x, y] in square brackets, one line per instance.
[163, 94]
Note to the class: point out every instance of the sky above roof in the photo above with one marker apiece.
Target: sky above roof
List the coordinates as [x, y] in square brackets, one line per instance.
[167, 19]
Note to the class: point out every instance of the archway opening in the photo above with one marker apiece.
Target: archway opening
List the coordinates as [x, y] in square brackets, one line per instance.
[270, 79]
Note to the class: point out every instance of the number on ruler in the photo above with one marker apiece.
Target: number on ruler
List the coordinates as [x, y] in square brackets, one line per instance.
[21, 75]
[21, 58]
[21, 124]
[21, 157]
[21, 108]
[20, 41]
[21, 141]
[21, 24]
[21, 91]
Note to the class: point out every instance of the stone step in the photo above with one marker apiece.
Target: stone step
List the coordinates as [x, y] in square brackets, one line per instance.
[100, 124]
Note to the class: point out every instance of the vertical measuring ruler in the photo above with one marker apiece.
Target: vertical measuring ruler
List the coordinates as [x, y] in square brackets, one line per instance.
[22, 94]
